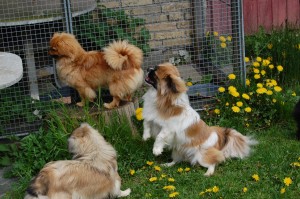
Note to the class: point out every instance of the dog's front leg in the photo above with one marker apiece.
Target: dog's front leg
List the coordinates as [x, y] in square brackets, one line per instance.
[160, 142]
[147, 129]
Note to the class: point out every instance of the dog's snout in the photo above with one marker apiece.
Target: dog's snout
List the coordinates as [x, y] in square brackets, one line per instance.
[149, 69]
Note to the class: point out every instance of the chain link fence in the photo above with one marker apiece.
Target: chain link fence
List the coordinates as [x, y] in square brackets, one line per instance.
[203, 38]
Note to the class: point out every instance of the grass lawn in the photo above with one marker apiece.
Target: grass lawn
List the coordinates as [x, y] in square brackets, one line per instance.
[271, 161]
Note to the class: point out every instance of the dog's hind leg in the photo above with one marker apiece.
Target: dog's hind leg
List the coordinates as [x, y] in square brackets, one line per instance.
[113, 104]
[176, 156]
[86, 93]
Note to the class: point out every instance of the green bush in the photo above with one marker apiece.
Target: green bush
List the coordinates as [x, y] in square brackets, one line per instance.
[112, 25]
[281, 46]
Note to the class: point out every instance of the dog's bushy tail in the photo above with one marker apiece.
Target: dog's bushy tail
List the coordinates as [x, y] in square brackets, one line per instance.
[237, 145]
[121, 55]
[38, 186]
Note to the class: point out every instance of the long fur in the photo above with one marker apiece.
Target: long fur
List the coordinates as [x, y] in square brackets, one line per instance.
[117, 67]
[179, 127]
[91, 174]
[296, 115]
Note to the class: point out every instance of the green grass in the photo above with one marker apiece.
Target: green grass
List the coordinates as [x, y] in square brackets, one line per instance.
[271, 160]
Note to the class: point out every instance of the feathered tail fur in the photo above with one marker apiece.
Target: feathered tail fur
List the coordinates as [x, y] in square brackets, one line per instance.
[237, 145]
[120, 55]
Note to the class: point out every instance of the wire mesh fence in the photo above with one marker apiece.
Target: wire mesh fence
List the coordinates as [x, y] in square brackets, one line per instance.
[203, 38]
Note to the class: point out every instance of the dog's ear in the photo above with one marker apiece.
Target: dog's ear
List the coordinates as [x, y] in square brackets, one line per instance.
[173, 84]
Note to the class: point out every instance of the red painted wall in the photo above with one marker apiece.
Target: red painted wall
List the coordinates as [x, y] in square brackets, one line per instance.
[270, 14]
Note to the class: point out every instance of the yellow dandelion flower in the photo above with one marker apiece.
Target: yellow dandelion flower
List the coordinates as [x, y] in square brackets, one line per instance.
[132, 172]
[153, 179]
[270, 46]
[208, 190]
[227, 104]
[257, 76]
[247, 124]
[169, 188]
[271, 66]
[255, 64]
[223, 45]
[259, 59]
[261, 90]
[229, 38]
[180, 170]
[231, 89]
[287, 181]
[171, 179]
[215, 189]
[222, 39]
[149, 163]
[217, 111]
[187, 169]
[189, 84]
[274, 82]
[262, 72]
[201, 193]
[298, 46]
[216, 34]
[221, 89]
[245, 96]
[246, 59]
[282, 190]
[139, 117]
[255, 177]
[255, 70]
[265, 62]
[231, 76]
[239, 104]
[274, 100]
[138, 111]
[294, 94]
[163, 175]
[259, 85]
[247, 82]
[173, 195]
[157, 168]
[245, 189]
[235, 94]
[248, 109]
[236, 109]
[295, 164]
[269, 58]
[279, 68]
[277, 88]
[269, 92]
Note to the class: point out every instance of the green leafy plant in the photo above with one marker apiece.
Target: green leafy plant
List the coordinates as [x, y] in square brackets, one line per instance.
[281, 46]
[112, 25]
[260, 102]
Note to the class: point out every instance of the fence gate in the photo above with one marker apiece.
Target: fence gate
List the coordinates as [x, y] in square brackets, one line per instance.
[203, 38]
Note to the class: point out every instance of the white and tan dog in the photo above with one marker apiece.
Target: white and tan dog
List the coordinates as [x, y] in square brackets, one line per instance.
[91, 174]
[169, 118]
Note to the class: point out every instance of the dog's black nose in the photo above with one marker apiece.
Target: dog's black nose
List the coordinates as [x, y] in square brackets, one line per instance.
[150, 69]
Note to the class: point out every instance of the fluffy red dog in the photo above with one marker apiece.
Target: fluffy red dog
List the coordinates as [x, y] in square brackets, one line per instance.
[117, 67]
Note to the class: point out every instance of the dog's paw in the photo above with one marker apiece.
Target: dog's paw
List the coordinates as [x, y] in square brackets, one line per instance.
[109, 105]
[125, 193]
[80, 104]
[169, 164]
[146, 136]
[157, 151]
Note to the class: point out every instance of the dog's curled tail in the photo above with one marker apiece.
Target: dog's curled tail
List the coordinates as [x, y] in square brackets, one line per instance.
[121, 55]
[237, 145]
[38, 186]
